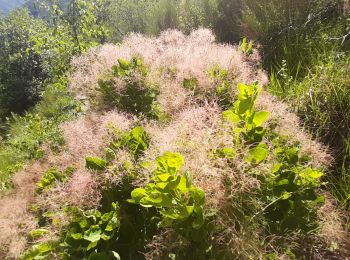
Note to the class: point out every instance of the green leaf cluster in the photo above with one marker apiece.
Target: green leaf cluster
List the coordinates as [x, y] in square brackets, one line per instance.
[291, 191]
[51, 177]
[176, 199]
[246, 124]
[89, 233]
[222, 83]
[39, 251]
[138, 96]
[126, 69]
[95, 163]
[38, 233]
[88, 236]
[190, 83]
[246, 121]
[246, 47]
[136, 141]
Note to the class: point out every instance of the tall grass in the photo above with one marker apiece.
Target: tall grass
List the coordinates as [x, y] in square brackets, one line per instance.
[305, 45]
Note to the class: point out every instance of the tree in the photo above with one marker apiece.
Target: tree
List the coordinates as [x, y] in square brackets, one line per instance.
[227, 27]
[22, 70]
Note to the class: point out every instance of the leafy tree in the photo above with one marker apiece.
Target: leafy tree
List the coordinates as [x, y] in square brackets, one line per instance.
[227, 25]
[80, 17]
[22, 70]
[124, 16]
[194, 14]
[165, 15]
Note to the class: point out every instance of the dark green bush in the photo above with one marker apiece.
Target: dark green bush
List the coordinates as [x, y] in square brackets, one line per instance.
[137, 96]
[222, 82]
[22, 70]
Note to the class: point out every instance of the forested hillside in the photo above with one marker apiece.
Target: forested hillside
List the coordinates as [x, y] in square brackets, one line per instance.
[160, 129]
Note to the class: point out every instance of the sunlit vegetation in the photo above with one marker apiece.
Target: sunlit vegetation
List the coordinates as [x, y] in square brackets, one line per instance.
[129, 131]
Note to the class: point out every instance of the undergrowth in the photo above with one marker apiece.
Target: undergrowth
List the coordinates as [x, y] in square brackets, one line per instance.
[321, 98]
[135, 93]
[26, 135]
[130, 215]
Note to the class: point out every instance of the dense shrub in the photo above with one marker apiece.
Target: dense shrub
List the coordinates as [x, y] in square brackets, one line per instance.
[26, 134]
[305, 46]
[245, 191]
[284, 203]
[321, 98]
[22, 70]
[101, 233]
[290, 189]
[134, 94]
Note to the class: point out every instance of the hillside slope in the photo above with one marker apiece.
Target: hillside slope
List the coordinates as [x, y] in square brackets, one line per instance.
[172, 160]
[8, 5]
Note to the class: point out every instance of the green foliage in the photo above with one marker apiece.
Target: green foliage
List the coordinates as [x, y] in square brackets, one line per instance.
[125, 68]
[190, 83]
[136, 141]
[39, 251]
[246, 121]
[177, 200]
[138, 96]
[321, 98]
[291, 191]
[222, 82]
[306, 50]
[89, 234]
[124, 16]
[38, 233]
[165, 16]
[11, 161]
[95, 163]
[29, 132]
[51, 177]
[35, 54]
[37, 131]
[258, 154]
[22, 70]
[193, 14]
[295, 32]
[79, 20]
[26, 134]
[246, 47]
[57, 103]
[225, 152]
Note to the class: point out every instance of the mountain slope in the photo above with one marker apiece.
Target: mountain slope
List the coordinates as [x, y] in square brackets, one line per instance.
[8, 5]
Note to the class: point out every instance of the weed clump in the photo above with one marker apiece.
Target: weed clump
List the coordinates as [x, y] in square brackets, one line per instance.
[130, 91]
[52, 176]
